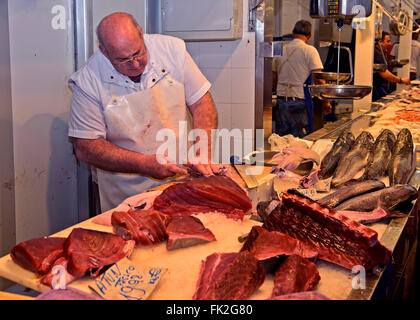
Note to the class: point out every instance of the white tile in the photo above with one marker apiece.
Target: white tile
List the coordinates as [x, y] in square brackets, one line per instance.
[193, 49]
[243, 55]
[243, 84]
[224, 115]
[220, 80]
[216, 54]
[243, 116]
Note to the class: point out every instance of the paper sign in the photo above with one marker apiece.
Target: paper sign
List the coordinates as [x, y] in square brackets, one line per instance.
[127, 281]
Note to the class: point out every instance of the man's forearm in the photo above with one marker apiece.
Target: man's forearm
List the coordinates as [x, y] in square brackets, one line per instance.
[107, 156]
[205, 117]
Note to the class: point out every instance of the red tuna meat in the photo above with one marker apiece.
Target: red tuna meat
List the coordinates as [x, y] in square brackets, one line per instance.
[296, 274]
[204, 194]
[229, 276]
[146, 227]
[38, 255]
[90, 250]
[187, 231]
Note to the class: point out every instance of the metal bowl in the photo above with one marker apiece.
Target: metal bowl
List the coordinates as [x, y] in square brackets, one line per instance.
[332, 76]
[331, 91]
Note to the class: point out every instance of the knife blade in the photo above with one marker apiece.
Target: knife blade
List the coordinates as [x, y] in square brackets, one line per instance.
[250, 180]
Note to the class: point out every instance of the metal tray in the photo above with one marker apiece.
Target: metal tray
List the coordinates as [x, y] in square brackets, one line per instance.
[330, 91]
[332, 76]
[398, 63]
[377, 67]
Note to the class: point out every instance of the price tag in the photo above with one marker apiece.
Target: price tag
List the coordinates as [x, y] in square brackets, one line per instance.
[127, 281]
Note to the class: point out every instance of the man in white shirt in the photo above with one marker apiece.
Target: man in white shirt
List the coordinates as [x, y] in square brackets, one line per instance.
[290, 72]
[132, 94]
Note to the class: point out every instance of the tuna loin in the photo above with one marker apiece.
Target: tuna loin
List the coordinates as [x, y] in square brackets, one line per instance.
[264, 244]
[38, 255]
[336, 238]
[146, 227]
[187, 231]
[296, 274]
[204, 194]
[229, 276]
[91, 250]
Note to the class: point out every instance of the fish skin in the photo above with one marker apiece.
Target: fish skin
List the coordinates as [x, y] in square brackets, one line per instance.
[400, 166]
[355, 160]
[349, 191]
[387, 198]
[340, 147]
[380, 156]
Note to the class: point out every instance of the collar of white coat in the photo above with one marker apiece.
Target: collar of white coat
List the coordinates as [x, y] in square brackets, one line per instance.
[153, 72]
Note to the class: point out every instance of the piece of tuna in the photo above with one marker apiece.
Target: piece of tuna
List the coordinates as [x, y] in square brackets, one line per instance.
[306, 295]
[229, 276]
[187, 231]
[366, 217]
[295, 274]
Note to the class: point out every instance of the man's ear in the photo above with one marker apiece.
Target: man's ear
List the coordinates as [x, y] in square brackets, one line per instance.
[103, 50]
[309, 36]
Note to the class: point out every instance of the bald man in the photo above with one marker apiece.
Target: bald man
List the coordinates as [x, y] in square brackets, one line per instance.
[136, 96]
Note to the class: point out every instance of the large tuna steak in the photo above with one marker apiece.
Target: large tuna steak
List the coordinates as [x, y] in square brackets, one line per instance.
[401, 165]
[336, 238]
[204, 194]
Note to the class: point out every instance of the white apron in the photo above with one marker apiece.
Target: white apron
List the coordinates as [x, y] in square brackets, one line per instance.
[133, 122]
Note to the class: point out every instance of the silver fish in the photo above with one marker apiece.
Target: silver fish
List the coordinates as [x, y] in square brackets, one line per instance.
[401, 165]
[355, 160]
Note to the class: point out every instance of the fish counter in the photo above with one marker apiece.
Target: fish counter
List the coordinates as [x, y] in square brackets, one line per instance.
[335, 218]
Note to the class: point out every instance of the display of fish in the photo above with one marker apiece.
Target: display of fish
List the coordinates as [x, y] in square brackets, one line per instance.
[380, 156]
[349, 191]
[387, 198]
[354, 160]
[401, 165]
[340, 147]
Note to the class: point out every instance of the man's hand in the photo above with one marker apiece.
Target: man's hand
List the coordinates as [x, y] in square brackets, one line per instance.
[405, 81]
[206, 167]
[161, 167]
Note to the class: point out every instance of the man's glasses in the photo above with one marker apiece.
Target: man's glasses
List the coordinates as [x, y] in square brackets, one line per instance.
[120, 62]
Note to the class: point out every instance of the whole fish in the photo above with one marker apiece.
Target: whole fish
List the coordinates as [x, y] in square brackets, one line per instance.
[340, 147]
[380, 156]
[349, 191]
[387, 198]
[401, 165]
[353, 161]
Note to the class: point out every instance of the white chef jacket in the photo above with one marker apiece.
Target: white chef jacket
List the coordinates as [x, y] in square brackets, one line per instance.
[303, 59]
[92, 90]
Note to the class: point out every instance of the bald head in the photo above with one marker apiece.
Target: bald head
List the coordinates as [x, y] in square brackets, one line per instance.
[116, 29]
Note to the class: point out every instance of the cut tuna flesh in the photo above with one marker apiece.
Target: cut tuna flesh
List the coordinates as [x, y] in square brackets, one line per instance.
[229, 276]
[296, 274]
[146, 227]
[204, 194]
[264, 244]
[38, 255]
[366, 217]
[187, 231]
[337, 238]
[91, 250]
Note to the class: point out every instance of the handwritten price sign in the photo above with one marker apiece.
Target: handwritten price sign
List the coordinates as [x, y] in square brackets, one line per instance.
[127, 281]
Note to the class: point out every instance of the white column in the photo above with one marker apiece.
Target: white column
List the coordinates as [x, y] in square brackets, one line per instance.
[404, 52]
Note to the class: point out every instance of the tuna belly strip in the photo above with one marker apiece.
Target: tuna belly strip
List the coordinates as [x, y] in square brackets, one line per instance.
[296, 274]
[146, 227]
[229, 276]
[264, 244]
[204, 194]
[337, 238]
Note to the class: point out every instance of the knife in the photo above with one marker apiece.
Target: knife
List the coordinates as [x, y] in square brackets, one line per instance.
[250, 180]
